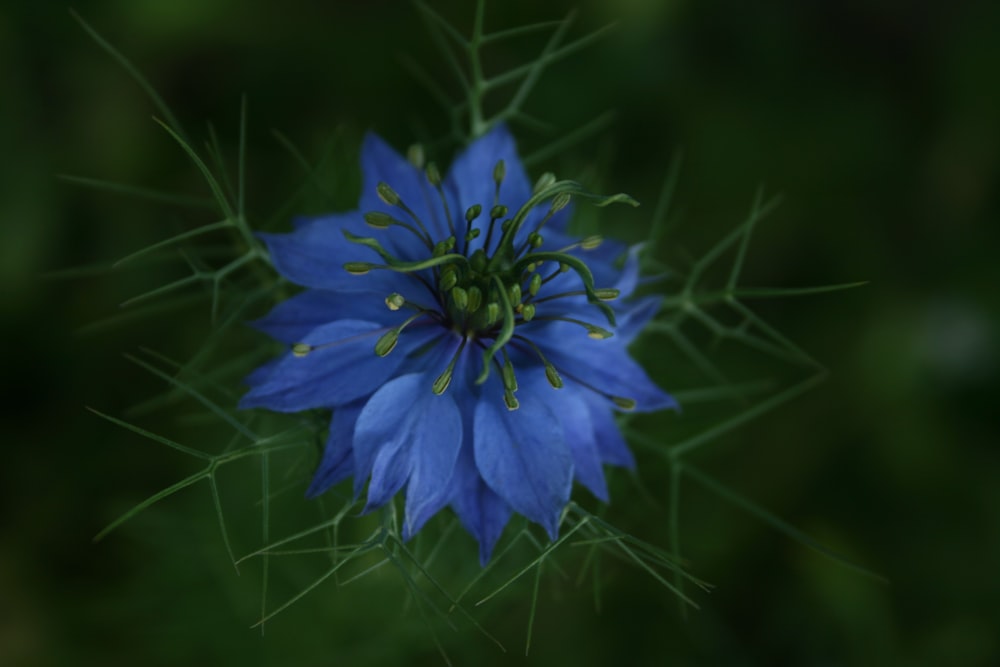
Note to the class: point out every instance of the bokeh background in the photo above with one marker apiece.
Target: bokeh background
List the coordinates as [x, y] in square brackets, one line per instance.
[879, 122]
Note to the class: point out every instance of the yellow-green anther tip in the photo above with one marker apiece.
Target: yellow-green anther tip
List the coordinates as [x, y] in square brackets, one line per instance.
[441, 383]
[387, 194]
[492, 313]
[415, 155]
[475, 298]
[552, 375]
[623, 403]
[511, 401]
[386, 343]
[448, 279]
[591, 242]
[357, 268]
[378, 220]
[607, 294]
[499, 171]
[301, 349]
[534, 284]
[597, 333]
[394, 301]
[515, 293]
[528, 312]
[460, 297]
[473, 212]
[433, 175]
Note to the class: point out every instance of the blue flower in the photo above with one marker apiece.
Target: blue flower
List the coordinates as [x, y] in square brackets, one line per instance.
[471, 350]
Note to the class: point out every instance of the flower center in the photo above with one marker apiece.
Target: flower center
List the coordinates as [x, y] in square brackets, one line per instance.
[487, 294]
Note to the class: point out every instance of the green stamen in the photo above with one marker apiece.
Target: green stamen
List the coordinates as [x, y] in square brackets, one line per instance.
[394, 301]
[443, 380]
[506, 331]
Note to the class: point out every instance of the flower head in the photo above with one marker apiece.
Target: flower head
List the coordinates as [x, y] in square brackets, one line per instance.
[472, 351]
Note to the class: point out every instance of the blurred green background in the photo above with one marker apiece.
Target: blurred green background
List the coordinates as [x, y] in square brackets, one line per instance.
[879, 122]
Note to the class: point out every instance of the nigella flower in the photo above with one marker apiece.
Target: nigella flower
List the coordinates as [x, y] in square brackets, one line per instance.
[471, 350]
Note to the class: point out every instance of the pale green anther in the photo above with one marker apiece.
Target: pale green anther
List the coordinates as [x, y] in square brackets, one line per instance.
[528, 312]
[534, 284]
[560, 201]
[440, 248]
[563, 268]
[415, 154]
[591, 242]
[535, 239]
[433, 175]
[606, 293]
[492, 313]
[498, 211]
[387, 194]
[597, 333]
[301, 349]
[387, 342]
[442, 382]
[358, 268]
[505, 225]
[511, 401]
[449, 278]
[475, 298]
[499, 172]
[623, 403]
[394, 301]
[530, 268]
[509, 379]
[460, 297]
[472, 235]
[544, 181]
[515, 294]
[473, 212]
[379, 220]
[449, 243]
[552, 375]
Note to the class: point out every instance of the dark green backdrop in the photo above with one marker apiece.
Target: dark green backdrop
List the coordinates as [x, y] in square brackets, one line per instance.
[878, 121]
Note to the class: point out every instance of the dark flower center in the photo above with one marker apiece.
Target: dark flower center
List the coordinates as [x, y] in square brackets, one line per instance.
[485, 295]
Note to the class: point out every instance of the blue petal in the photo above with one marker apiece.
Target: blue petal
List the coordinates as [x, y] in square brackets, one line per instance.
[574, 413]
[522, 456]
[604, 365]
[470, 181]
[611, 445]
[261, 373]
[634, 317]
[603, 261]
[481, 511]
[292, 319]
[381, 163]
[338, 456]
[343, 367]
[314, 256]
[429, 486]
[629, 277]
[408, 433]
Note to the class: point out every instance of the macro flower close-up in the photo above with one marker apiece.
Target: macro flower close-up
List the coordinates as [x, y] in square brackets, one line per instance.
[472, 350]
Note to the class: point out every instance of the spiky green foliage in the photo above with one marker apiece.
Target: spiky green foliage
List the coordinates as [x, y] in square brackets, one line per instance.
[337, 547]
